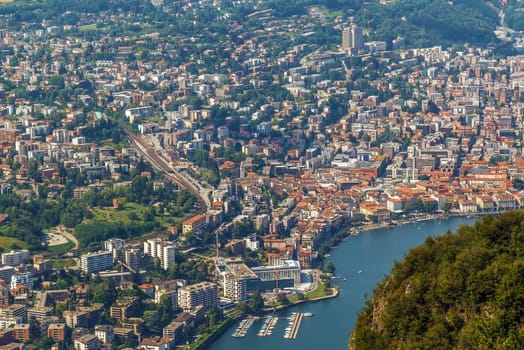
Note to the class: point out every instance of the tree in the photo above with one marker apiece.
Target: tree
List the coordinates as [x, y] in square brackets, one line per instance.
[188, 333]
[257, 302]
[213, 316]
[32, 170]
[152, 321]
[282, 298]
[105, 293]
[329, 267]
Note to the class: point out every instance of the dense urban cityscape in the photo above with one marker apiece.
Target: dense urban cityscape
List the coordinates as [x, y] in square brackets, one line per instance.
[168, 167]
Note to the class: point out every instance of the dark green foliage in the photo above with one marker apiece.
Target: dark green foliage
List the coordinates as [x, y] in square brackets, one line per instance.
[462, 290]
[105, 293]
[97, 232]
[427, 22]
[27, 219]
[256, 303]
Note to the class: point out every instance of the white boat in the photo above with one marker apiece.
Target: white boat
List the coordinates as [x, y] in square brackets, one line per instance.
[308, 314]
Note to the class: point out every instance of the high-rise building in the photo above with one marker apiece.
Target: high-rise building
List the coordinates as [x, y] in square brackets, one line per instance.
[6, 272]
[22, 278]
[15, 258]
[193, 295]
[96, 262]
[87, 342]
[346, 39]
[352, 39]
[113, 243]
[161, 249]
[356, 36]
[104, 333]
[56, 331]
[235, 275]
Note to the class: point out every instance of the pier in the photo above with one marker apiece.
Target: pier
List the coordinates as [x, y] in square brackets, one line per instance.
[267, 328]
[243, 327]
[294, 325]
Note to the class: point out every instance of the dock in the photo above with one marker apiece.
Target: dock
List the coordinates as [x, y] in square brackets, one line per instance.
[242, 329]
[267, 328]
[294, 325]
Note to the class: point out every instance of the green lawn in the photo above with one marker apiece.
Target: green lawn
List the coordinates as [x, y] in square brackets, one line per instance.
[61, 263]
[8, 243]
[126, 214]
[61, 247]
[87, 27]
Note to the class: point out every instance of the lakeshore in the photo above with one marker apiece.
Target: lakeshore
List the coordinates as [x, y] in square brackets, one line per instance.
[371, 252]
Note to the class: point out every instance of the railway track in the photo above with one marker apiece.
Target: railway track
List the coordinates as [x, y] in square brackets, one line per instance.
[182, 180]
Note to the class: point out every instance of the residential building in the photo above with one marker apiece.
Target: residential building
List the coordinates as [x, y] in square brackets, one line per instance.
[75, 318]
[22, 332]
[87, 342]
[195, 224]
[113, 243]
[22, 278]
[6, 272]
[14, 310]
[56, 331]
[203, 293]
[235, 275]
[155, 343]
[162, 250]
[105, 333]
[96, 262]
[15, 257]
[123, 308]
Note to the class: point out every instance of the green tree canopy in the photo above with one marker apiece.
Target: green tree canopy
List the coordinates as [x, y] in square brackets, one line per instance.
[456, 291]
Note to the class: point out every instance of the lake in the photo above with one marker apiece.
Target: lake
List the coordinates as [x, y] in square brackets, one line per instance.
[361, 262]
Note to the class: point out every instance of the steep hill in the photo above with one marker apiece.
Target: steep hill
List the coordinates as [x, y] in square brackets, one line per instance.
[430, 22]
[457, 291]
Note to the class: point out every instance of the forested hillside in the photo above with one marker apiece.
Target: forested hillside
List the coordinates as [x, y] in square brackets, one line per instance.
[430, 22]
[457, 291]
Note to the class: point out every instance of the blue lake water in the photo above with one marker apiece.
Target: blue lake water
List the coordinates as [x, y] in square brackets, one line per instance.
[361, 260]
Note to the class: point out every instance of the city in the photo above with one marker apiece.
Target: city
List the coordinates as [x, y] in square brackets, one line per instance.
[160, 178]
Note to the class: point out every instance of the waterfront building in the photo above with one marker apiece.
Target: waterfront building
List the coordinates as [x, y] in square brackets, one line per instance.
[174, 330]
[155, 343]
[193, 295]
[281, 276]
[96, 262]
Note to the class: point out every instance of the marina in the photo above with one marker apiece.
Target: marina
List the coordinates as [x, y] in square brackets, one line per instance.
[269, 325]
[243, 327]
[373, 254]
[295, 320]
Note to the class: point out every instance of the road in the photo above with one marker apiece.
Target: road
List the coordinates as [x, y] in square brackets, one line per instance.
[61, 230]
[182, 179]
